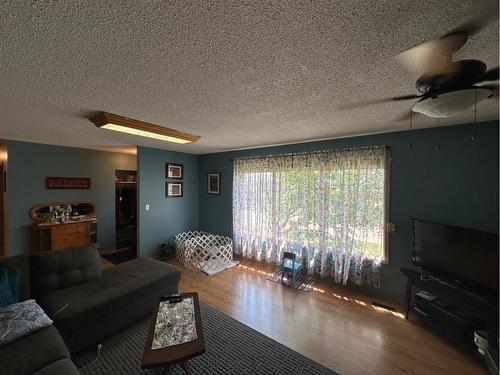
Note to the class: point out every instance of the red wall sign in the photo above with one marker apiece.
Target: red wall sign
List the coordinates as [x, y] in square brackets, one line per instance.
[67, 183]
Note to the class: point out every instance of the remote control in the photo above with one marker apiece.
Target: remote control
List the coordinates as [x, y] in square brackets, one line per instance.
[173, 298]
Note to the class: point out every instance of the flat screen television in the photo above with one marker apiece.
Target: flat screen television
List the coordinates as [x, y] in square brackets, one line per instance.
[463, 256]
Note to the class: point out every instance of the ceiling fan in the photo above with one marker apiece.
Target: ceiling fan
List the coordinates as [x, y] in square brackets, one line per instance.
[445, 87]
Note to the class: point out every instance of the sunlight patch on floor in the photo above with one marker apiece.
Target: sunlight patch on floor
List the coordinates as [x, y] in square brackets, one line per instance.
[254, 270]
[378, 309]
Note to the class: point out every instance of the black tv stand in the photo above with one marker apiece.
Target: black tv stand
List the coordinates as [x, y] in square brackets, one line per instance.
[452, 310]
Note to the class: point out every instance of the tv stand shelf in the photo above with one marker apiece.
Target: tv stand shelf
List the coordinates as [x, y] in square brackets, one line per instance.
[453, 311]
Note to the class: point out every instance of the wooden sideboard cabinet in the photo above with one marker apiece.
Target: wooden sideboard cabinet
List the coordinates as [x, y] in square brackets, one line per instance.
[79, 226]
[58, 236]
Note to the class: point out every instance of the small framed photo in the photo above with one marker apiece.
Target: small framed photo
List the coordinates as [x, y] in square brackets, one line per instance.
[173, 189]
[174, 171]
[214, 183]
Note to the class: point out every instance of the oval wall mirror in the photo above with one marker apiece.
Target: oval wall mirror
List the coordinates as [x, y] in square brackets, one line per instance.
[77, 210]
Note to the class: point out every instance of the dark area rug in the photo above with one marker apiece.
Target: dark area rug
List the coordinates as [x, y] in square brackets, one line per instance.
[301, 283]
[231, 348]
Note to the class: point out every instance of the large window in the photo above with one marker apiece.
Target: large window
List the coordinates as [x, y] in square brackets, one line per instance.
[328, 207]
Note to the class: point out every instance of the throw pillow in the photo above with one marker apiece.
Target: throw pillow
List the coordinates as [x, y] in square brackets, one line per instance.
[21, 319]
[5, 292]
[20, 263]
[14, 278]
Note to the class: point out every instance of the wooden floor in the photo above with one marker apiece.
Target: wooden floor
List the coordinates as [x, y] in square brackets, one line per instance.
[330, 325]
[105, 263]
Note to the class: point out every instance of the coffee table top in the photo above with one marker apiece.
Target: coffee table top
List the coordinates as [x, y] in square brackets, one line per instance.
[175, 353]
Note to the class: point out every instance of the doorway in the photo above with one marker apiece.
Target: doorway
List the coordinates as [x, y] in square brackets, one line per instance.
[125, 217]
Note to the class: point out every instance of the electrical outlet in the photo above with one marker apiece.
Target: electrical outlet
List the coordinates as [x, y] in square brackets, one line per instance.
[391, 228]
[147, 207]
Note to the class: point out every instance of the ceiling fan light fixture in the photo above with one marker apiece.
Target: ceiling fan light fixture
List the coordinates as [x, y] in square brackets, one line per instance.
[110, 121]
[451, 103]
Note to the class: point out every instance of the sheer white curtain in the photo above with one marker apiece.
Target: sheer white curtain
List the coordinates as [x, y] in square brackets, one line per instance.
[327, 207]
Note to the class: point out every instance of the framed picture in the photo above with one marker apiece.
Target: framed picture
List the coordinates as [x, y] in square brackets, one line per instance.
[174, 171]
[214, 183]
[173, 189]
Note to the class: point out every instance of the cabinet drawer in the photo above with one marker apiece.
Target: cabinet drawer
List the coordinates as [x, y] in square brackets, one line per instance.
[71, 228]
[70, 241]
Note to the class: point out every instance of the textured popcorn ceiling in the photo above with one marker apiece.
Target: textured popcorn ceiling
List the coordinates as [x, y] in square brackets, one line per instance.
[240, 75]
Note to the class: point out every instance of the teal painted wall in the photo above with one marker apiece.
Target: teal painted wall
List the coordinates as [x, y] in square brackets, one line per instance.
[167, 216]
[458, 184]
[30, 163]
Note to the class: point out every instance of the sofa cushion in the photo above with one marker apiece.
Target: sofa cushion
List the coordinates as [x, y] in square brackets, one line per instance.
[102, 306]
[61, 367]
[55, 270]
[21, 264]
[32, 353]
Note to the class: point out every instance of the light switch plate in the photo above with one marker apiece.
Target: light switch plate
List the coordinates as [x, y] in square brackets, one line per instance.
[147, 207]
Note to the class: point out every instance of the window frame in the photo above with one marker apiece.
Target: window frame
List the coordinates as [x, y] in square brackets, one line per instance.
[388, 227]
[387, 206]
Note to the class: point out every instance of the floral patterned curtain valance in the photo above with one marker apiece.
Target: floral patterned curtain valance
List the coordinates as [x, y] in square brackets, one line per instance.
[328, 207]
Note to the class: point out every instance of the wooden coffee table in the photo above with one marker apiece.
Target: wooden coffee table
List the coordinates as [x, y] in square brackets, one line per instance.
[176, 354]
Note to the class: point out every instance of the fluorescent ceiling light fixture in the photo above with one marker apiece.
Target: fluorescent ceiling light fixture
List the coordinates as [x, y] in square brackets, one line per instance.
[451, 103]
[127, 125]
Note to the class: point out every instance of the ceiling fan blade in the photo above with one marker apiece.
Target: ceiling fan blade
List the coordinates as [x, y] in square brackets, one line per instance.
[405, 97]
[491, 75]
[375, 101]
[434, 56]
[365, 103]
